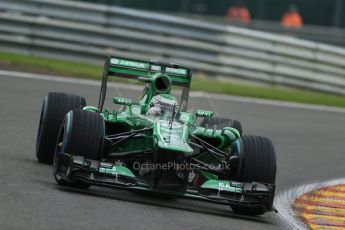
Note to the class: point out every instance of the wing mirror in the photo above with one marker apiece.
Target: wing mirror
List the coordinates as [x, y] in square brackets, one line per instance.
[203, 113]
[122, 101]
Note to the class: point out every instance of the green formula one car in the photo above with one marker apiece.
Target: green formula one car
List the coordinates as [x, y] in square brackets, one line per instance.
[154, 144]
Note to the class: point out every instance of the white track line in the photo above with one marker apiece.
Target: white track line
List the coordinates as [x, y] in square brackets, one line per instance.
[284, 200]
[195, 94]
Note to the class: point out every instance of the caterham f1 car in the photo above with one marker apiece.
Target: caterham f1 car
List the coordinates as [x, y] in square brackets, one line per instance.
[154, 144]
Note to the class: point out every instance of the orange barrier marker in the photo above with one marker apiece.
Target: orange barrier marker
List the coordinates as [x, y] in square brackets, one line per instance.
[323, 208]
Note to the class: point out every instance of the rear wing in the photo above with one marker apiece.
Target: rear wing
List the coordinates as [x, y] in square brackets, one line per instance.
[135, 69]
[128, 68]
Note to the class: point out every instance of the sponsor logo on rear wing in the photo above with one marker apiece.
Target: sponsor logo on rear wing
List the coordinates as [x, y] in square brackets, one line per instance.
[148, 66]
[179, 71]
[129, 63]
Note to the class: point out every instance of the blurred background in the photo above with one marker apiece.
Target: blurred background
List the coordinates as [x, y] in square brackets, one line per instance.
[315, 12]
[278, 49]
[320, 18]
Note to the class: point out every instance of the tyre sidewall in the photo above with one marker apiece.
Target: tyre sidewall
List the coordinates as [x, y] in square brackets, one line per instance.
[42, 125]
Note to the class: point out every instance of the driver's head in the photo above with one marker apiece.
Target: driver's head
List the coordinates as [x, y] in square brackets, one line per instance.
[162, 104]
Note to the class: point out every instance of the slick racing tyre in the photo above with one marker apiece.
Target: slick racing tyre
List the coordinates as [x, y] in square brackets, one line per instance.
[81, 134]
[258, 164]
[55, 106]
[221, 122]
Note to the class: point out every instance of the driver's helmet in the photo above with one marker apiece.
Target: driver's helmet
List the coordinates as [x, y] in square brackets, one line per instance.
[162, 104]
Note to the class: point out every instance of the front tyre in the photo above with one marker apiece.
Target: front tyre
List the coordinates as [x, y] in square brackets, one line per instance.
[81, 134]
[55, 106]
[258, 164]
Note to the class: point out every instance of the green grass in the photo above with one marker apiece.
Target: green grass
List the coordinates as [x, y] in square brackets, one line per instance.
[44, 65]
[81, 70]
[275, 93]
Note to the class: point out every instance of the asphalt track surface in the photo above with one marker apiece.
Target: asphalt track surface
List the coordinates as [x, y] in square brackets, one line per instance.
[310, 146]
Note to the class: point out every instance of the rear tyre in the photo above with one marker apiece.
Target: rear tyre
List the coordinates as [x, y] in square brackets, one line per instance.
[258, 164]
[81, 134]
[55, 106]
[222, 122]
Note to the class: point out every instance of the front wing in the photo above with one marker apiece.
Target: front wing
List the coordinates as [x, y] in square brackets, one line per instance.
[75, 168]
